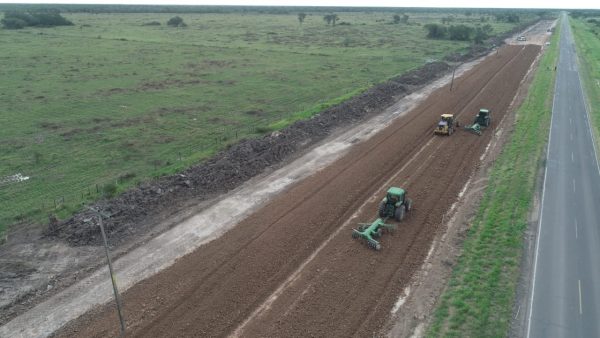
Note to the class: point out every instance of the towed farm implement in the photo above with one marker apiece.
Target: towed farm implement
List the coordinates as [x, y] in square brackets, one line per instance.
[482, 121]
[394, 205]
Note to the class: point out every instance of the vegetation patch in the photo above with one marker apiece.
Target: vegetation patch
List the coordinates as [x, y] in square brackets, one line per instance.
[22, 19]
[478, 300]
[586, 30]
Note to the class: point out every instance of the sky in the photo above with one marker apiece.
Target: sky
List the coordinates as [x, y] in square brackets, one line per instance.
[366, 3]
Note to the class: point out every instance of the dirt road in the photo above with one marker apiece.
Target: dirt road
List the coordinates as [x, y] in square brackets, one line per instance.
[292, 268]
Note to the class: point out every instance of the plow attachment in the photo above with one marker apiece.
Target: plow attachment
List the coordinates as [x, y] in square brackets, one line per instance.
[474, 128]
[370, 232]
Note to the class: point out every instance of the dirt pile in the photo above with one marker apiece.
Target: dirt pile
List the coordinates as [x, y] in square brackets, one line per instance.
[235, 165]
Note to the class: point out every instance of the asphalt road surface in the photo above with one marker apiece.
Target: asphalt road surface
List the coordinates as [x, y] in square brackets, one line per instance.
[565, 297]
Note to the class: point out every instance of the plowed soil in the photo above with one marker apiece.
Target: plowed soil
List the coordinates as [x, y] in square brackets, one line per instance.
[292, 268]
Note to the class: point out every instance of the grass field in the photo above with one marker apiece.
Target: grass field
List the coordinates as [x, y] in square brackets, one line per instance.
[100, 106]
[587, 39]
[480, 295]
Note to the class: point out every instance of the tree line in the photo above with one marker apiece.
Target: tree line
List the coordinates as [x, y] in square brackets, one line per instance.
[83, 8]
[18, 20]
[459, 32]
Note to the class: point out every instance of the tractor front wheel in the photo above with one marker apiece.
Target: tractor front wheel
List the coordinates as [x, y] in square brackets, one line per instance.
[399, 215]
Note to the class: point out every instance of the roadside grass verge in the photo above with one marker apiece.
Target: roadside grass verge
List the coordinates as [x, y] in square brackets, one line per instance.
[587, 40]
[478, 300]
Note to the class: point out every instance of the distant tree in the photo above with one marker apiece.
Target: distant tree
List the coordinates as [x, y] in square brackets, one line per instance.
[460, 32]
[13, 23]
[487, 28]
[507, 17]
[176, 21]
[331, 19]
[404, 19]
[482, 33]
[301, 17]
[468, 13]
[435, 31]
[17, 20]
[334, 19]
[513, 18]
[447, 20]
[396, 18]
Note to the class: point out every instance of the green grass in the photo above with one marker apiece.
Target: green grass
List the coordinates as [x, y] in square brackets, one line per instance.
[479, 298]
[112, 102]
[587, 39]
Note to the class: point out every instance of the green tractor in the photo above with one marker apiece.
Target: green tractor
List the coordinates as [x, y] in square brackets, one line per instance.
[482, 120]
[395, 204]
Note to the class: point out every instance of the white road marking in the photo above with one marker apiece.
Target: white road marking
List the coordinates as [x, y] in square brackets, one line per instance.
[572, 158]
[573, 185]
[580, 305]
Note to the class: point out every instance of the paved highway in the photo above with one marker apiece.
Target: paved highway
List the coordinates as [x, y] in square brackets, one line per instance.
[565, 294]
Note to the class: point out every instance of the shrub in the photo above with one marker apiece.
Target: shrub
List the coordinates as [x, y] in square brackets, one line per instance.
[460, 32]
[13, 23]
[110, 189]
[176, 21]
[152, 23]
[18, 20]
[435, 31]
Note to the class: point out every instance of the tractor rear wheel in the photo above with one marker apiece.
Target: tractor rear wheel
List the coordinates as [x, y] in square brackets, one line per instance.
[409, 203]
[399, 215]
[382, 209]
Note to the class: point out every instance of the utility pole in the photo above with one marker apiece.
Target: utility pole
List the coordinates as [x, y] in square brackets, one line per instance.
[112, 275]
[453, 72]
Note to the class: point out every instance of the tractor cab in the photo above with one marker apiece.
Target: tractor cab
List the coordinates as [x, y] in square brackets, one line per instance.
[395, 204]
[483, 118]
[445, 125]
[395, 195]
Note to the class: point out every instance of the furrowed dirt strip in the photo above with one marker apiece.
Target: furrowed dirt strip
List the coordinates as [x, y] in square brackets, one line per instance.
[346, 289]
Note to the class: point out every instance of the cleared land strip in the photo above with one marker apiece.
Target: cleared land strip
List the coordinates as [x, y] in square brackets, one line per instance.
[346, 289]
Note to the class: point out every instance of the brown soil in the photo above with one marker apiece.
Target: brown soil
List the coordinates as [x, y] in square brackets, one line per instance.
[292, 268]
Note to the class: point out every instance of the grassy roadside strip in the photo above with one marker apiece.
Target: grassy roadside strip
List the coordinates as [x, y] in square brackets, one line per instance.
[478, 300]
[588, 49]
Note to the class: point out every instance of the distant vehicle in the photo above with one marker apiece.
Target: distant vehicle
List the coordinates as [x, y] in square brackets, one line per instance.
[547, 43]
[521, 38]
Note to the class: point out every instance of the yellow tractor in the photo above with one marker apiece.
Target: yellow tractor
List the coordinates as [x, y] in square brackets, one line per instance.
[446, 126]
